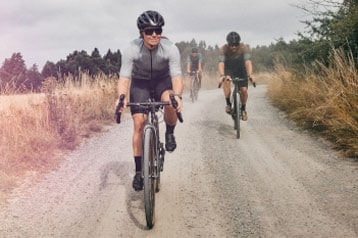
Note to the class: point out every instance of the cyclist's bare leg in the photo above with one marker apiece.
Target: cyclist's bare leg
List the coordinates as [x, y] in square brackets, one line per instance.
[200, 76]
[138, 122]
[170, 118]
[244, 95]
[227, 93]
[227, 89]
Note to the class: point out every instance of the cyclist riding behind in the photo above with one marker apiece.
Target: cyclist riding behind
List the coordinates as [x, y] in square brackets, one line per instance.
[151, 64]
[234, 61]
[194, 65]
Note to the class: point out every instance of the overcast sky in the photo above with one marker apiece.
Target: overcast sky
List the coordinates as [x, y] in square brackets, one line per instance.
[44, 30]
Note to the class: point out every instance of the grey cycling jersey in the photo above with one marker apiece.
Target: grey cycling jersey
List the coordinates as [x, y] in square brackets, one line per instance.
[194, 61]
[139, 62]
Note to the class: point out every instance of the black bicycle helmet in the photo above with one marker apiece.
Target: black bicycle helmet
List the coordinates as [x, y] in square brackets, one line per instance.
[150, 19]
[233, 38]
[194, 50]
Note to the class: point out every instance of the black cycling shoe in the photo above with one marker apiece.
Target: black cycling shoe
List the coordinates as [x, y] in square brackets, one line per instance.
[170, 143]
[138, 181]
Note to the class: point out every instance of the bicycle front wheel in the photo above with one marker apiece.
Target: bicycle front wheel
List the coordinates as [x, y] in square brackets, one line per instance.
[194, 90]
[148, 171]
[196, 87]
[237, 112]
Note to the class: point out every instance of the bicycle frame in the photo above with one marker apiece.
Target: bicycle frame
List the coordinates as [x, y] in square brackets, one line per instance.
[152, 150]
[236, 112]
[152, 124]
[235, 103]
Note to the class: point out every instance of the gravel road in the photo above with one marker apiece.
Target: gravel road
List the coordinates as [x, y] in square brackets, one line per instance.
[276, 181]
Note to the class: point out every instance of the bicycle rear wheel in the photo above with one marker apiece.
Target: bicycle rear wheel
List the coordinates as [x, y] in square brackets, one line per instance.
[148, 169]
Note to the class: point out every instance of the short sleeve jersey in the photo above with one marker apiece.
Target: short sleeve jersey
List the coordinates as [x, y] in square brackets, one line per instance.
[138, 62]
[194, 61]
[235, 63]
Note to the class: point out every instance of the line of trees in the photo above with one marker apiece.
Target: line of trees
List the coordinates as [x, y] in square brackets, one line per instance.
[15, 78]
[14, 75]
[337, 28]
[334, 26]
[78, 61]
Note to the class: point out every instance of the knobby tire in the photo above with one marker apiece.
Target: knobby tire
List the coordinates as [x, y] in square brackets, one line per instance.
[148, 169]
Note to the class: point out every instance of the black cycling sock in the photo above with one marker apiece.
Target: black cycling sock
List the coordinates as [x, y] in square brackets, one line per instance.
[138, 163]
[228, 102]
[243, 107]
[169, 129]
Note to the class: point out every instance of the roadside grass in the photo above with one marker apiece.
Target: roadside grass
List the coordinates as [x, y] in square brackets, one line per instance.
[36, 129]
[324, 100]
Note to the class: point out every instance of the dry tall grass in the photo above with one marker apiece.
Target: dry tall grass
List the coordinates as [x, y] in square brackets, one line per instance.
[324, 100]
[37, 127]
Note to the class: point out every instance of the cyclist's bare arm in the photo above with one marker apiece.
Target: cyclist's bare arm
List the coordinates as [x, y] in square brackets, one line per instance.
[188, 67]
[199, 67]
[221, 68]
[177, 82]
[123, 88]
[248, 66]
[249, 71]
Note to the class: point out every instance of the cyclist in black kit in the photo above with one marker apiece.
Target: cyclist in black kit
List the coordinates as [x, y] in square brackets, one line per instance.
[194, 65]
[151, 64]
[234, 61]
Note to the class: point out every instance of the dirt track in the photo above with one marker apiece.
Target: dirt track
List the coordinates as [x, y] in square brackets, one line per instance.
[276, 181]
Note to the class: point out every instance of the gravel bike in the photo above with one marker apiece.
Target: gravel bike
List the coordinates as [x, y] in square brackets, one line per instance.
[194, 90]
[236, 104]
[152, 150]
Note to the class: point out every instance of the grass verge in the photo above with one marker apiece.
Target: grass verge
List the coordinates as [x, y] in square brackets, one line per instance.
[324, 100]
[35, 129]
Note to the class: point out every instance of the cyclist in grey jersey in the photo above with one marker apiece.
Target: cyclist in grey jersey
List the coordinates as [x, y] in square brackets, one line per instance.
[151, 64]
[139, 62]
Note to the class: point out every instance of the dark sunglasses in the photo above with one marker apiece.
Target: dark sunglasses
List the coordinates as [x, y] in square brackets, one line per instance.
[150, 31]
[234, 45]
